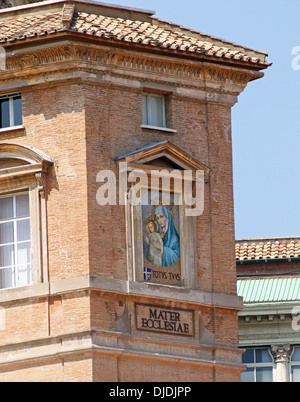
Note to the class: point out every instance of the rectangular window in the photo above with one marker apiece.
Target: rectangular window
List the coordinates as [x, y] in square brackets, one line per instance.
[295, 365]
[154, 113]
[15, 241]
[10, 110]
[259, 365]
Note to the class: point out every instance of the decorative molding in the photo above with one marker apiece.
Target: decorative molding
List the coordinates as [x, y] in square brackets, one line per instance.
[122, 288]
[102, 57]
[29, 157]
[114, 62]
[41, 179]
[160, 66]
[39, 57]
[265, 317]
[281, 353]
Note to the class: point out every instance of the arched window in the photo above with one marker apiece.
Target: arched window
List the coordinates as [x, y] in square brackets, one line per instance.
[23, 232]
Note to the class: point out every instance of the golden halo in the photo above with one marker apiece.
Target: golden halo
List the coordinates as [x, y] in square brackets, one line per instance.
[148, 220]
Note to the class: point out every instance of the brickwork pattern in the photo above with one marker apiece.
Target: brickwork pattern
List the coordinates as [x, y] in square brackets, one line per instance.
[83, 114]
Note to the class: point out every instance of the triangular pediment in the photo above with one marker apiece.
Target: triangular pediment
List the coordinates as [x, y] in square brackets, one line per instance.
[162, 155]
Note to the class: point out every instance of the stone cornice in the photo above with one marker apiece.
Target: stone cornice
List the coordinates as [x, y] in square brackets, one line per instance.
[69, 56]
[65, 346]
[132, 289]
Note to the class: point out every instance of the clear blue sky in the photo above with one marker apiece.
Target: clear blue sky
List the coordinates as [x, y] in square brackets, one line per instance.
[265, 122]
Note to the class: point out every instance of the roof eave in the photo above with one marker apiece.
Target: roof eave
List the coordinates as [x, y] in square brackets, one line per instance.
[196, 56]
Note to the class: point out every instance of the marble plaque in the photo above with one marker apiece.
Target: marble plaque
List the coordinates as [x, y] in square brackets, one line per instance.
[166, 320]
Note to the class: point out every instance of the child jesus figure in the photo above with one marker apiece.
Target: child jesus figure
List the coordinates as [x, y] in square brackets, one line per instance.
[155, 242]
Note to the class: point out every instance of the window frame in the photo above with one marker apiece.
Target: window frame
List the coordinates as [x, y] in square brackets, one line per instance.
[149, 121]
[255, 365]
[11, 110]
[29, 175]
[292, 363]
[15, 242]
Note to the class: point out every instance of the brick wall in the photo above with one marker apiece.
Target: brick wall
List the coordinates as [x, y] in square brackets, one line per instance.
[82, 105]
[83, 126]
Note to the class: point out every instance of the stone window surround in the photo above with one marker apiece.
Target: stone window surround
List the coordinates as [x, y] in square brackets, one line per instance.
[9, 129]
[29, 175]
[164, 129]
[139, 160]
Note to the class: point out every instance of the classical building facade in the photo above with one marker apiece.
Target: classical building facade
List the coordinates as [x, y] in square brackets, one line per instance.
[95, 287]
[269, 282]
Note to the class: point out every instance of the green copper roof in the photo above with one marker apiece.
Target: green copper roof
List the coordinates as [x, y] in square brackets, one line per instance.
[269, 290]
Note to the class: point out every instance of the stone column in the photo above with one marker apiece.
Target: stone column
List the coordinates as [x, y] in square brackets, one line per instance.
[281, 355]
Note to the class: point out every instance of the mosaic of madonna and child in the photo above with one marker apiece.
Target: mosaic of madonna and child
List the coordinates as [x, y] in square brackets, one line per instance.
[161, 243]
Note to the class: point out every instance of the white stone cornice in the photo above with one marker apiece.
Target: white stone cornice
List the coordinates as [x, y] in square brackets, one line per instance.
[136, 289]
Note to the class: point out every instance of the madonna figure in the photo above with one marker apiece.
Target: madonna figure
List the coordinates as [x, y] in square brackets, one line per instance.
[170, 237]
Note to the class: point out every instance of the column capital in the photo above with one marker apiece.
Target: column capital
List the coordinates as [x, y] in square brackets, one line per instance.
[281, 353]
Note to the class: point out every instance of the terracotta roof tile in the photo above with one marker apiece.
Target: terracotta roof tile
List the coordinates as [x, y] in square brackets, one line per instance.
[155, 33]
[277, 248]
[22, 28]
